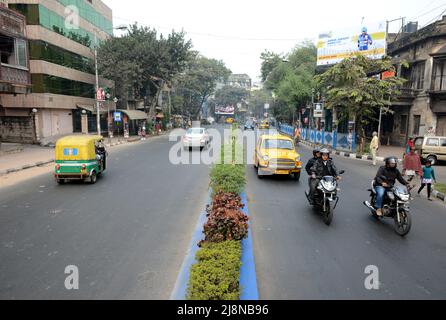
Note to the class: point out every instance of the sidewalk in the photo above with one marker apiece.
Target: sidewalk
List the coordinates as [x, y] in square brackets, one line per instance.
[17, 157]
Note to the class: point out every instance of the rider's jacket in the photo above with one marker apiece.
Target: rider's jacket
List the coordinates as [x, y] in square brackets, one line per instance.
[309, 165]
[389, 175]
[324, 168]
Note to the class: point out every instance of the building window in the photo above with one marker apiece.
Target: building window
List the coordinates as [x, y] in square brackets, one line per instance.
[13, 51]
[43, 83]
[403, 124]
[417, 76]
[416, 125]
[40, 50]
[439, 75]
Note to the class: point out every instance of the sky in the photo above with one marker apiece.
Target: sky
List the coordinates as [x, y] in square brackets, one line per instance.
[238, 31]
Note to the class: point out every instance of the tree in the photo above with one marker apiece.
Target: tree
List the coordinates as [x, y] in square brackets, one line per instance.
[198, 82]
[257, 101]
[354, 86]
[270, 61]
[292, 81]
[228, 95]
[141, 61]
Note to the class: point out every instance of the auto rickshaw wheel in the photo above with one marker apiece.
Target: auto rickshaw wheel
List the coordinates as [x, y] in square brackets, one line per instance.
[60, 181]
[93, 178]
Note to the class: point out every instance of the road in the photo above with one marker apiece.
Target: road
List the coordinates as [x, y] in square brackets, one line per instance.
[127, 234]
[298, 257]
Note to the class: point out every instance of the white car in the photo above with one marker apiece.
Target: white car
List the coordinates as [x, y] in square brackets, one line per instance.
[196, 138]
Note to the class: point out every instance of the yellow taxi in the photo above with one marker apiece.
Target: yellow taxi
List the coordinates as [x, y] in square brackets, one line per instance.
[276, 154]
[264, 125]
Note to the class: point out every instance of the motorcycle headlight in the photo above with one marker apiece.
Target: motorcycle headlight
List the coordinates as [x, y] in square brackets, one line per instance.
[330, 187]
[403, 197]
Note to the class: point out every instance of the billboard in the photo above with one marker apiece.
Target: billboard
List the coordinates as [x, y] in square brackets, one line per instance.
[229, 110]
[368, 40]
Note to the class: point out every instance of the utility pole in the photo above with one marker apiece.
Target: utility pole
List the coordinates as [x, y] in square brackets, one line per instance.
[98, 115]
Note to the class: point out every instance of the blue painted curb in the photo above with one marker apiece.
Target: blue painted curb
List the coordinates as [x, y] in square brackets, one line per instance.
[248, 276]
[180, 290]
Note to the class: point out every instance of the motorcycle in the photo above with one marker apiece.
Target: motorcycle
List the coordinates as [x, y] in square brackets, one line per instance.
[396, 207]
[326, 197]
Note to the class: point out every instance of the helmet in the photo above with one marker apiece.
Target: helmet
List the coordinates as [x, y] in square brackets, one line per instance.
[316, 151]
[364, 29]
[325, 151]
[391, 160]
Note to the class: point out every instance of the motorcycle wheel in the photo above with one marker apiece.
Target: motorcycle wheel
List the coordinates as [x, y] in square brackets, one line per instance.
[402, 228]
[328, 215]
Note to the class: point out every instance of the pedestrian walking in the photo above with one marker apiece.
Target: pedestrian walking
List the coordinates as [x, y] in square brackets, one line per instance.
[410, 144]
[374, 146]
[427, 179]
[412, 165]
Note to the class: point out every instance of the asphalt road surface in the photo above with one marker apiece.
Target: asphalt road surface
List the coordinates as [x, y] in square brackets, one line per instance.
[298, 257]
[127, 234]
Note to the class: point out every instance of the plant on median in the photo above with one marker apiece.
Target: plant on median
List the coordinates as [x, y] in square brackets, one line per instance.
[226, 221]
[216, 274]
[228, 178]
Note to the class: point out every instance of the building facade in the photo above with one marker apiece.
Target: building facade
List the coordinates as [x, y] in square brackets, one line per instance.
[61, 39]
[421, 109]
[15, 78]
[240, 81]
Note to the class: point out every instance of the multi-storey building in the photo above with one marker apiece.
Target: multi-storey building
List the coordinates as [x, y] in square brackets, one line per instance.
[15, 125]
[421, 109]
[62, 35]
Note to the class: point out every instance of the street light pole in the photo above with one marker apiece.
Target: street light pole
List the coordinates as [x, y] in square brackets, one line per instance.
[98, 115]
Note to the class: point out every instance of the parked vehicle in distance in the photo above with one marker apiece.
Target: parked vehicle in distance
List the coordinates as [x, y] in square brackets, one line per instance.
[264, 125]
[196, 138]
[80, 158]
[230, 120]
[249, 125]
[276, 154]
[431, 148]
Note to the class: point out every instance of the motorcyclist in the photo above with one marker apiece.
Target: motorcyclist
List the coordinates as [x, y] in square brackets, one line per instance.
[321, 168]
[316, 156]
[385, 179]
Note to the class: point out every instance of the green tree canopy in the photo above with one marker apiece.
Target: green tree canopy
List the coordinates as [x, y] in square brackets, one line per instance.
[137, 60]
[355, 87]
[292, 80]
[228, 95]
[198, 82]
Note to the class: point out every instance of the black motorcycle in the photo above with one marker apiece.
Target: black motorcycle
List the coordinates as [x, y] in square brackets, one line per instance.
[326, 197]
[396, 207]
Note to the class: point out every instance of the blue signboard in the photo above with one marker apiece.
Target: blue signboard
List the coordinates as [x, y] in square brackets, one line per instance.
[117, 116]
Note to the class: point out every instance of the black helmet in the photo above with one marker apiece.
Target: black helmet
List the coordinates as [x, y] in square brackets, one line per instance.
[316, 151]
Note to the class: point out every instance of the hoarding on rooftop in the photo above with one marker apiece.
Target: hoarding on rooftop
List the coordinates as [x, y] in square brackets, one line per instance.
[368, 40]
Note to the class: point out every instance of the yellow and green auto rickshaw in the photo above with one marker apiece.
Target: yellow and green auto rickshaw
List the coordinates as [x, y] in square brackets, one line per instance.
[80, 158]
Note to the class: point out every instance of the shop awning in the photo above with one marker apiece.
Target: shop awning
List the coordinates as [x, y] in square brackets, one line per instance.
[135, 114]
[90, 108]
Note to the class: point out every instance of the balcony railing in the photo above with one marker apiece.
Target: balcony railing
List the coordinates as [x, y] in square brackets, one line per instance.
[14, 75]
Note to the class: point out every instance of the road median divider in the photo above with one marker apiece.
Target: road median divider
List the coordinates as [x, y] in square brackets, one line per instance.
[223, 260]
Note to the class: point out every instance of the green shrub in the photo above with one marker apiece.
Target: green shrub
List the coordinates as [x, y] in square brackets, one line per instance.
[216, 274]
[228, 178]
